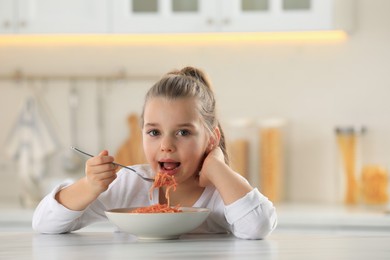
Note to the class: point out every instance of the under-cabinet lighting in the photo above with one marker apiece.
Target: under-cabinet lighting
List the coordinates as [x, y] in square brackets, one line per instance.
[172, 39]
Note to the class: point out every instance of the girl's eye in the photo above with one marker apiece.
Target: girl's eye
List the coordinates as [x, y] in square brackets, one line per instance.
[153, 132]
[183, 132]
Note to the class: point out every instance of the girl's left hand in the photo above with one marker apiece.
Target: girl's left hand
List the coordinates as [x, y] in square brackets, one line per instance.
[214, 156]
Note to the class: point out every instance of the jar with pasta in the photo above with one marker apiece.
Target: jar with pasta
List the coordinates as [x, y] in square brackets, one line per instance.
[271, 158]
[374, 185]
[240, 133]
[350, 152]
[374, 174]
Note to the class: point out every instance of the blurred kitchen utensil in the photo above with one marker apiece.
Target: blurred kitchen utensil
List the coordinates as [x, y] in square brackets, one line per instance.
[131, 151]
[72, 163]
[117, 164]
[31, 142]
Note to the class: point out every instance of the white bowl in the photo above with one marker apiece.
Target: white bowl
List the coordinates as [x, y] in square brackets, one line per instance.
[158, 225]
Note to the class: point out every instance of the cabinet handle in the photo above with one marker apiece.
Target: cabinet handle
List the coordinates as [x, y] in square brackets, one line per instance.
[210, 21]
[226, 21]
[22, 24]
[6, 24]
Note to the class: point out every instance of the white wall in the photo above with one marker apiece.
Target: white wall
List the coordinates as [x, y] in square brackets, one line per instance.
[313, 86]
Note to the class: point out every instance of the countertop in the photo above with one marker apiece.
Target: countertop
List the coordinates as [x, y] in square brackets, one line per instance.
[327, 236]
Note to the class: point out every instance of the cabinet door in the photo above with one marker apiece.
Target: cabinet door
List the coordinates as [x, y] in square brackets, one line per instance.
[58, 16]
[7, 13]
[277, 15]
[163, 16]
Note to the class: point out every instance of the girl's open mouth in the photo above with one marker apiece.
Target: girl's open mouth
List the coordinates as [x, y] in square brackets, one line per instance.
[169, 167]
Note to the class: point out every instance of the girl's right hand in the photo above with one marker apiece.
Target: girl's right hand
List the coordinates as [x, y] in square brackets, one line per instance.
[100, 172]
[214, 156]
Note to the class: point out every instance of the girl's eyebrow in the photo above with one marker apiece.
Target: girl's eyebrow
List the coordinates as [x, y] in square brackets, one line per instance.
[190, 125]
[151, 124]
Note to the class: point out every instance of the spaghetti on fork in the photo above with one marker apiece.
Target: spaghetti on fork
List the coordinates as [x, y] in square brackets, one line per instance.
[162, 179]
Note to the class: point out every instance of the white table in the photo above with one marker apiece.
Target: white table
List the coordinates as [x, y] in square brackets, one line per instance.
[291, 240]
[282, 244]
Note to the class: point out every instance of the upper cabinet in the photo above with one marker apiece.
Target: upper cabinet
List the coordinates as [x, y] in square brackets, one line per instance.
[172, 16]
[164, 16]
[53, 16]
[277, 15]
[7, 8]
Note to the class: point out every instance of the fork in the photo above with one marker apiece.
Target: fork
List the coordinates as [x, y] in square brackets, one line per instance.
[117, 164]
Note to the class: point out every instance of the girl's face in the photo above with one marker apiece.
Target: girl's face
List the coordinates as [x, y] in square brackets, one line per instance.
[174, 139]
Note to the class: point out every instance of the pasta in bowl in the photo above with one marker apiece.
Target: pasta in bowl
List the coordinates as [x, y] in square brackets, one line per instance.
[158, 221]
[169, 225]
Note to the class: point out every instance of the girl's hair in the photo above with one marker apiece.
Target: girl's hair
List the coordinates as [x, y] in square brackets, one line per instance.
[190, 82]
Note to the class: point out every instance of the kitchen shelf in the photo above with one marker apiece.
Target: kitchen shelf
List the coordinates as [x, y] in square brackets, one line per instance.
[18, 75]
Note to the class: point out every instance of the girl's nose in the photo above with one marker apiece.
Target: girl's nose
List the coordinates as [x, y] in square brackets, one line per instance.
[167, 145]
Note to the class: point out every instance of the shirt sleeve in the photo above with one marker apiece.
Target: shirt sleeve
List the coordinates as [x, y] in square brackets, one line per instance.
[251, 217]
[127, 190]
[52, 217]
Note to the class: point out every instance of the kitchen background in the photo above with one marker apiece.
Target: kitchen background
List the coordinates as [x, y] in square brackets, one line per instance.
[312, 85]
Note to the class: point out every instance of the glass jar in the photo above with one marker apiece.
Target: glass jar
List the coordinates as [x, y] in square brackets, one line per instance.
[349, 140]
[239, 140]
[374, 185]
[271, 158]
[374, 173]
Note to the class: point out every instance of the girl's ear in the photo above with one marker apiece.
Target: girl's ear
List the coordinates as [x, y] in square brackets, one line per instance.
[214, 138]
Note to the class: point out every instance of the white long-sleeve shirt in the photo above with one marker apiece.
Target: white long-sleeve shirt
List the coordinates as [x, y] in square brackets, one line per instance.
[251, 217]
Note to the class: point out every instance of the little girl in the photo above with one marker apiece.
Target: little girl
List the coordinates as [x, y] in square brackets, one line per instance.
[182, 137]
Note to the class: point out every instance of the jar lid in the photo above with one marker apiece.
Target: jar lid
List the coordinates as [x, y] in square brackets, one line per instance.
[350, 130]
[272, 122]
[240, 122]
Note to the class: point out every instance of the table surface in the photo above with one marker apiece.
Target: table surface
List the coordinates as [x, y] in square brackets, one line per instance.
[290, 240]
[282, 244]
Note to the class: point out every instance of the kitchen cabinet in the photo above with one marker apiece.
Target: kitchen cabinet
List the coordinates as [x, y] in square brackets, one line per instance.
[277, 15]
[7, 15]
[53, 16]
[188, 16]
[164, 16]
[171, 16]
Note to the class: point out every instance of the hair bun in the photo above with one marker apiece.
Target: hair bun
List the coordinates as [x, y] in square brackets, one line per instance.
[196, 74]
